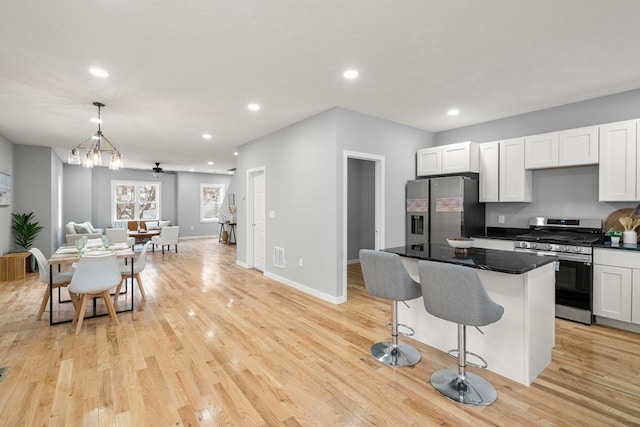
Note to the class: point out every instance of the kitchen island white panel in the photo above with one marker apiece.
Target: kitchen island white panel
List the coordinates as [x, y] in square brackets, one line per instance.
[519, 345]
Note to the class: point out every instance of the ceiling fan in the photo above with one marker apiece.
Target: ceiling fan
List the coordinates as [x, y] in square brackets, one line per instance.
[157, 170]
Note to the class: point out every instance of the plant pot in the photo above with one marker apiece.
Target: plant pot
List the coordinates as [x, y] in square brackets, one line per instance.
[630, 237]
[615, 240]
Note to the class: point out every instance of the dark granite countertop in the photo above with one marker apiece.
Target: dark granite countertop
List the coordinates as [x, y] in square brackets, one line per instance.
[502, 233]
[621, 246]
[485, 259]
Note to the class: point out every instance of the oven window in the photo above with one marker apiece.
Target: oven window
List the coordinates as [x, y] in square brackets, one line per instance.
[574, 284]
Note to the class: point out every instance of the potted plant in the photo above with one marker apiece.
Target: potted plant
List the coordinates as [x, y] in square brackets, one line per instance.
[614, 235]
[26, 230]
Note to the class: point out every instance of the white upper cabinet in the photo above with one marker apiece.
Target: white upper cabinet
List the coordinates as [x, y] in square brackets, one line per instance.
[448, 159]
[571, 147]
[515, 181]
[541, 151]
[619, 161]
[489, 172]
[578, 146]
[429, 161]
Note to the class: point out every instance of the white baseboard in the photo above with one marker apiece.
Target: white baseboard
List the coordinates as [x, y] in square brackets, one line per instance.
[306, 289]
[353, 261]
[241, 264]
[197, 237]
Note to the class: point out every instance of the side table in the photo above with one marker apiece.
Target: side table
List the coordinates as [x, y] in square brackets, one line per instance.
[13, 266]
[230, 227]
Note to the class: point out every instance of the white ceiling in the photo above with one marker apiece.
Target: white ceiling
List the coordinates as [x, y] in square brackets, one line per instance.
[181, 68]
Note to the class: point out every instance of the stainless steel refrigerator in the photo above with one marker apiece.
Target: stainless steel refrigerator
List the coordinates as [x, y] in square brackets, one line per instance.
[444, 207]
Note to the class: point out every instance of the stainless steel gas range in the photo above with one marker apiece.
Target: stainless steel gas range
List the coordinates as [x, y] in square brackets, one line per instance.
[571, 240]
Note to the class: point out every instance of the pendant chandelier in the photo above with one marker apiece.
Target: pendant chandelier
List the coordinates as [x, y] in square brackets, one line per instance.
[95, 145]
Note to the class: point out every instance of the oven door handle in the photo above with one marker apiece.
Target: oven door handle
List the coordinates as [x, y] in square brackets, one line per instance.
[561, 256]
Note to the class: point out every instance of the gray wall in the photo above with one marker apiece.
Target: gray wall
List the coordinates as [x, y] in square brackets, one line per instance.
[78, 194]
[6, 166]
[304, 186]
[88, 196]
[301, 182]
[188, 202]
[606, 109]
[398, 144]
[569, 192]
[360, 207]
[35, 189]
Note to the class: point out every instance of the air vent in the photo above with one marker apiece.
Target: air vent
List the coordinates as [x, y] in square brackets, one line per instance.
[278, 257]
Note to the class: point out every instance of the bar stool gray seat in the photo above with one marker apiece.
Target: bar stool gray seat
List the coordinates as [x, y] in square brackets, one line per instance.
[456, 294]
[386, 277]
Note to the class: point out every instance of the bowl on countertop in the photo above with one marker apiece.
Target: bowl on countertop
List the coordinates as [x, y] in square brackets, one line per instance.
[460, 242]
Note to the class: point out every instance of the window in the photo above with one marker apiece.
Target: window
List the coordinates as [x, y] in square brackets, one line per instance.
[135, 200]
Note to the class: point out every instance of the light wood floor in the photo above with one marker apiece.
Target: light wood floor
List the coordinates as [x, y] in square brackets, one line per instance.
[216, 344]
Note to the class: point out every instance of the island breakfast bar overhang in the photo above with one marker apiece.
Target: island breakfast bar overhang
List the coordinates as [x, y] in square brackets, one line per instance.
[519, 345]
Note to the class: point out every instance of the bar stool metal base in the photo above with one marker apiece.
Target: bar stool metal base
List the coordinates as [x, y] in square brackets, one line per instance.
[404, 354]
[473, 390]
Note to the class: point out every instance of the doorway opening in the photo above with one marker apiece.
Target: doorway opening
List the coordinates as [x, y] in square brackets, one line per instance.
[363, 208]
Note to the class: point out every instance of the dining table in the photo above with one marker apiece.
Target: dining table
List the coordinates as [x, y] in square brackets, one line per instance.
[70, 254]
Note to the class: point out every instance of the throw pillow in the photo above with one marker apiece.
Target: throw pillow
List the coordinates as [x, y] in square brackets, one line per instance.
[70, 227]
[81, 229]
[88, 226]
[152, 225]
[165, 223]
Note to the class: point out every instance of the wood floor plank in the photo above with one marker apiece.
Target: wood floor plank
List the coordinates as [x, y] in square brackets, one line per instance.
[216, 344]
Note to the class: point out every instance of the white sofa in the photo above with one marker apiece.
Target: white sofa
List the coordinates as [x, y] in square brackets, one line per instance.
[75, 230]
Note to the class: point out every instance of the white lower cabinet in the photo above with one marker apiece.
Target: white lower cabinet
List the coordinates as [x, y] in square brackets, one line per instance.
[616, 285]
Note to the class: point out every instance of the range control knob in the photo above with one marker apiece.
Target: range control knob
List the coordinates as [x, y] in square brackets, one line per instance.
[523, 244]
[565, 248]
[534, 245]
[576, 249]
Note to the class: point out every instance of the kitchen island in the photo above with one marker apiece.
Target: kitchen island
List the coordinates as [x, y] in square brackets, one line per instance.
[519, 345]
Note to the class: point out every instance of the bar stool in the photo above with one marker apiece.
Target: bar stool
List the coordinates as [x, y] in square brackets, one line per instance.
[455, 293]
[386, 277]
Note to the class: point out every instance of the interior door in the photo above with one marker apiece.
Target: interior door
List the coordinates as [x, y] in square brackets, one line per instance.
[258, 224]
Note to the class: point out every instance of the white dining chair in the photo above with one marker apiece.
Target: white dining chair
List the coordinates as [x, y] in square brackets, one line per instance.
[168, 236]
[60, 279]
[138, 266]
[94, 277]
[119, 235]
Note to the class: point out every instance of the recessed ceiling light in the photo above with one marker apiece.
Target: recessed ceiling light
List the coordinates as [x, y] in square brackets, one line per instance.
[230, 172]
[235, 153]
[210, 163]
[453, 112]
[351, 74]
[253, 107]
[191, 169]
[98, 72]
[96, 120]
[206, 135]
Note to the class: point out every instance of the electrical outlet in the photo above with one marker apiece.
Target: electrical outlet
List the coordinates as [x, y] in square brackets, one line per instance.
[500, 219]
[300, 263]
[272, 214]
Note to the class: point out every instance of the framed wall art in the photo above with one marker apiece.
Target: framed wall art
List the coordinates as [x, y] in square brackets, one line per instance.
[5, 189]
[211, 197]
